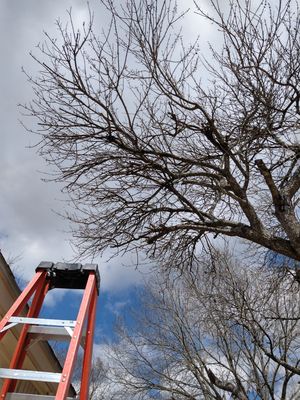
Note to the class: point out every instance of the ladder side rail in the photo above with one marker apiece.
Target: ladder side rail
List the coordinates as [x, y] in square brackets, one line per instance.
[22, 300]
[88, 349]
[69, 364]
[17, 360]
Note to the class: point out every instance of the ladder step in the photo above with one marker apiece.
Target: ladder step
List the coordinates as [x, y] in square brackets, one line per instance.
[53, 333]
[26, 375]
[49, 332]
[42, 321]
[25, 396]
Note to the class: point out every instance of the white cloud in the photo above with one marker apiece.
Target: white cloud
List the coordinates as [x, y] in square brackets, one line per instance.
[120, 272]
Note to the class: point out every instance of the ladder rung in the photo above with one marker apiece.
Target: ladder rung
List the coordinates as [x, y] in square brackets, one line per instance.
[25, 396]
[42, 321]
[26, 375]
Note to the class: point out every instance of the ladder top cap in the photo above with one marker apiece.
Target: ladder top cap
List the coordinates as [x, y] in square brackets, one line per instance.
[69, 275]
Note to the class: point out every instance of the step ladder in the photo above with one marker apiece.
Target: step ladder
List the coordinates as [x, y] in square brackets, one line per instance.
[48, 276]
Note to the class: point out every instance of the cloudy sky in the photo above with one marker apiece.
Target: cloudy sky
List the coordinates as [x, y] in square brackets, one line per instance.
[29, 228]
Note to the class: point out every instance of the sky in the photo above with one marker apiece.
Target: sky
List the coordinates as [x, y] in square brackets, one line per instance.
[30, 228]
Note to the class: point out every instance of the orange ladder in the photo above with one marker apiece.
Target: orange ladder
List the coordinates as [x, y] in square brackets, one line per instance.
[48, 276]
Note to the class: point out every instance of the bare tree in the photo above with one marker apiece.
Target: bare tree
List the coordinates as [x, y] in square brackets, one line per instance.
[155, 157]
[98, 381]
[225, 331]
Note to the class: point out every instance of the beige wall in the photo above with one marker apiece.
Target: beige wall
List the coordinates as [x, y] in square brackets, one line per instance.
[40, 355]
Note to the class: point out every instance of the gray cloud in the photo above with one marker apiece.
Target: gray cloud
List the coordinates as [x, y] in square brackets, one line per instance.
[28, 227]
